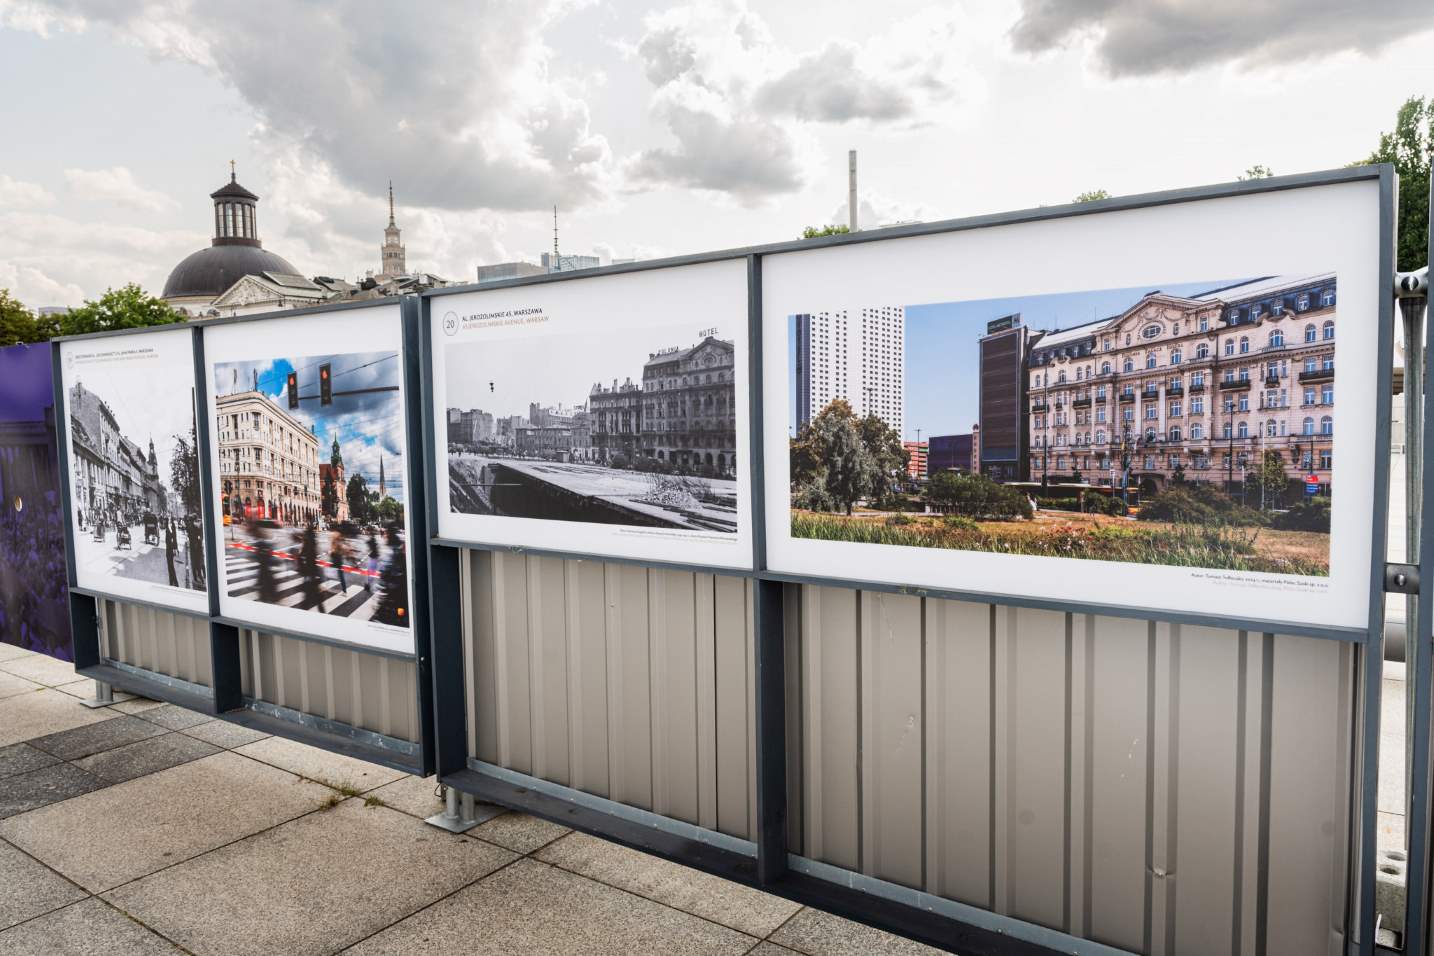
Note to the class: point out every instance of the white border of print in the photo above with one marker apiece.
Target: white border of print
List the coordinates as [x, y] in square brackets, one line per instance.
[349, 331]
[175, 360]
[681, 298]
[1333, 228]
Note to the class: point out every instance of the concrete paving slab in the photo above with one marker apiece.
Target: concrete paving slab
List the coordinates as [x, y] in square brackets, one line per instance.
[10, 652]
[313, 885]
[1390, 831]
[816, 933]
[112, 836]
[91, 928]
[119, 730]
[10, 685]
[84, 689]
[146, 756]
[531, 908]
[771, 949]
[692, 891]
[519, 832]
[333, 770]
[411, 795]
[45, 711]
[174, 718]
[223, 734]
[136, 706]
[41, 669]
[22, 758]
[30, 888]
[40, 788]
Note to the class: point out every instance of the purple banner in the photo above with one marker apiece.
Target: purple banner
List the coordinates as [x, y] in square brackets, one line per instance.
[34, 603]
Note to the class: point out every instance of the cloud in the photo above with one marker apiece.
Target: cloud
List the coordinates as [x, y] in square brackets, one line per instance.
[15, 193]
[1139, 38]
[470, 118]
[116, 184]
[63, 260]
[875, 210]
[739, 107]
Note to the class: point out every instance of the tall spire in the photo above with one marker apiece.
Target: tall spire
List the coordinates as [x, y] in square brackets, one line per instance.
[390, 202]
[392, 253]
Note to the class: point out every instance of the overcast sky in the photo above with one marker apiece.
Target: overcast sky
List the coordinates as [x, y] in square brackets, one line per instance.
[658, 129]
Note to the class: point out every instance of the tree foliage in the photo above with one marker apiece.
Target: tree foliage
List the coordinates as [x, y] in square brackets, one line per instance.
[360, 502]
[817, 232]
[129, 307]
[976, 496]
[838, 459]
[1091, 195]
[1256, 172]
[18, 324]
[1409, 146]
[1270, 480]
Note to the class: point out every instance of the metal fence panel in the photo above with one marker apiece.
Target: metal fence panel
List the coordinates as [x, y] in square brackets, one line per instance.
[175, 645]
[625, 682]
[1156, 787]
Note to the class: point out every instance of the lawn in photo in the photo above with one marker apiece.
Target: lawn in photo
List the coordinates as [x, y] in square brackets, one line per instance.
[630, 427]
[311, 469]
[134, 467]
[1188, 424]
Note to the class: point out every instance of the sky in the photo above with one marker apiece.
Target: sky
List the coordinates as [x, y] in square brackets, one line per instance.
[502, 376]
[656, 129]
[368, 426]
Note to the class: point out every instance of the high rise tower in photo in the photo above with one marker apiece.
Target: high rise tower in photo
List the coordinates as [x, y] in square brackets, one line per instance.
[394, 263]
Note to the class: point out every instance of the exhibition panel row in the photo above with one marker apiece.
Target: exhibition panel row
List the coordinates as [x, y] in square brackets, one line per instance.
[1131, 409]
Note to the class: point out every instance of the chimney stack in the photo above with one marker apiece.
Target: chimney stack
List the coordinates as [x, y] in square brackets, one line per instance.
[851, 190]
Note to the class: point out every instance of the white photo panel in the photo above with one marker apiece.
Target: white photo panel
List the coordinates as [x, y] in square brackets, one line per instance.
[308, 434]
[605, 415]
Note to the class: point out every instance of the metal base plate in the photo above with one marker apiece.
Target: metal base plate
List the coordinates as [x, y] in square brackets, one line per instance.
[482, 813]
[94, 704]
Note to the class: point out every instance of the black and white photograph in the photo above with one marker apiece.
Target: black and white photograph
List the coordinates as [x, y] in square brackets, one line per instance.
[627, 429]
[310, 468]
[134, 468]
[610, 420]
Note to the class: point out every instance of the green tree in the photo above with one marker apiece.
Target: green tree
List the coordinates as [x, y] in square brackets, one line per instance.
[184, 472]
[829, 451]
[390, 512]
[816, 232]
[1091, 195]
[129, 307]
[1256, 172]
[18, 324]
[328, 487]
[1408, 146]
[1270, 480]
[360, 504]
[888, 458]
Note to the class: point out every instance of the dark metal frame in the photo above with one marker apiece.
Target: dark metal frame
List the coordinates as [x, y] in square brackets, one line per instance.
[766, 863]
[225, 698]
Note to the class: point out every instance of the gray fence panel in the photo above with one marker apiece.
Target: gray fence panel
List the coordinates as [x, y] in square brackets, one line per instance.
[629, 683]
[1121, 780]
[175, 645]
[368, 691]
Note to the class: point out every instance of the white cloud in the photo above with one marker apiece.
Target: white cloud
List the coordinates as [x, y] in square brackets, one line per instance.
[16, 194]
[34, 288]
[1137, 37]
[740, 107]
[875, 209]
[472, 117]
[116, 184]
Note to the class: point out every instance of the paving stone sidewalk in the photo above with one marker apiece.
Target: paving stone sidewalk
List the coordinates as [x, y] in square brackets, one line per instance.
[145, 828]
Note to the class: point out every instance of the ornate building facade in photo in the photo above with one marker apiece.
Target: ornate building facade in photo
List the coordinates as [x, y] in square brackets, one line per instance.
[688, 416]
[1199, 388]
[268, 462]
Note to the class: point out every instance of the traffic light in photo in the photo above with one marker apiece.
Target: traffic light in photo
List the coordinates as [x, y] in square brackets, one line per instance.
[293, 389]
[326, 385]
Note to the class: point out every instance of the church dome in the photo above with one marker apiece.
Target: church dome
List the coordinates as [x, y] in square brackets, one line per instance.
[209, 272]
[234, 252]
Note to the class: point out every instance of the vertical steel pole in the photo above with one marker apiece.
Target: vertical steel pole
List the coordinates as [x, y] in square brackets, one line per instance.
[420, 453]
[1419, 466]
[770, 720]
[224, 661]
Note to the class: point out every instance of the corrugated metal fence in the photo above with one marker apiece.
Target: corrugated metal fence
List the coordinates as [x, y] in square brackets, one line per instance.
[1162, 788]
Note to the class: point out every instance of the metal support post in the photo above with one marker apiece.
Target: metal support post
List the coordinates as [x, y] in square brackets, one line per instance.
[104, 696]
[461, 812]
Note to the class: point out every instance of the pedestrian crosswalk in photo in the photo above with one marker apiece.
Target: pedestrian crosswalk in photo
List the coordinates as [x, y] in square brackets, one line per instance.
[358, 600]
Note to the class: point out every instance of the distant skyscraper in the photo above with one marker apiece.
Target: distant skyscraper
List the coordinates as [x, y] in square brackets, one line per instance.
[860, 358]
[553, 263]
[394, 259]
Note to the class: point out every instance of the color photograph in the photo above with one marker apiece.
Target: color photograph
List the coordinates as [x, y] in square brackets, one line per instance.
[310, 475]
[134, 468]
[1189, 424]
